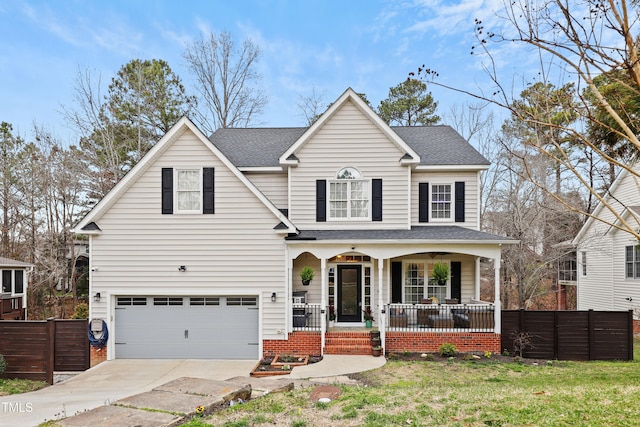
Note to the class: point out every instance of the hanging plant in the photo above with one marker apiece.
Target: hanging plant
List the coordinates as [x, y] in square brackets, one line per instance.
[306, 274]
[440, 272]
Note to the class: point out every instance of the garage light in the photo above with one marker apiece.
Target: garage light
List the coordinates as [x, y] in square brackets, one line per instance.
[182, 268]
[96, 297]
[273, 297]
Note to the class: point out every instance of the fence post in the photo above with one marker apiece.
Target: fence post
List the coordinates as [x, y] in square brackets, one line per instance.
[592, 332]
[87, 346]
[556, 326]
[630, 336]
[51, 345]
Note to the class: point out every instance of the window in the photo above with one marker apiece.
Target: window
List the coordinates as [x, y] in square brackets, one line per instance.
[441, 201]
[131, 301]
[204, 301]
[349, 195]
[413, 282]
[567, 268]
[167, 301]
[632, 262]
[6, 281]
[242, 301]
[584, 262]
[19, 281]
[188, 190]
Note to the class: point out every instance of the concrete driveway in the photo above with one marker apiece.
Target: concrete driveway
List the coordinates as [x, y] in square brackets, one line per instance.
[108, 382]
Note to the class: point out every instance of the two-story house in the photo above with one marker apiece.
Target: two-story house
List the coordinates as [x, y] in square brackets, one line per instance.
[196, 253]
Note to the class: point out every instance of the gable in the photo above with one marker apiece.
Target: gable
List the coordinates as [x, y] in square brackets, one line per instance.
[347, 114]
[199, 149]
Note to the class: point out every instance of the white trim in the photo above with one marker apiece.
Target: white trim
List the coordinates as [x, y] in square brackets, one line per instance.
[409, 201]
[350, 95]
[267, 169]
[349, 217]
[478, 199]
[174, 133]
[176, 210]
[452, 206]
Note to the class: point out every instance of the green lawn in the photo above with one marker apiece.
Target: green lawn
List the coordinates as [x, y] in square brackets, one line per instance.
[20, 386]
[461, 393]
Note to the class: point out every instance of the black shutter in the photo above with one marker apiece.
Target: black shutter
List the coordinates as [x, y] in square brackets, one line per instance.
[167, 190]
[208, 191]
[321, 200]
[459, 202]
[423, 202]
[396, 282]
[456, 280]
[376, 202]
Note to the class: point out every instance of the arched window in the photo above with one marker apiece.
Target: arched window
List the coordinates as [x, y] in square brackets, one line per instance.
[349, 195]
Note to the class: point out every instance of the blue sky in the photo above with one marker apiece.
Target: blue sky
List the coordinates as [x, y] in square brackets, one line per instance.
[369, 45]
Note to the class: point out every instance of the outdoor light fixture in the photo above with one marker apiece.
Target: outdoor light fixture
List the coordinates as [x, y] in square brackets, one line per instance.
[273, 297]
[96, 297]
[182, 268]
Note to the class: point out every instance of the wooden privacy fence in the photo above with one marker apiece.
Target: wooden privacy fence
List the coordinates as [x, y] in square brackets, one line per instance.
[35, 349]
[571, 335]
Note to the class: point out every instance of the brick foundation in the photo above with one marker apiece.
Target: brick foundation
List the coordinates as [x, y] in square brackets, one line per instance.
[98, 355]
[418, 342]
[636, 326]
[299, 342]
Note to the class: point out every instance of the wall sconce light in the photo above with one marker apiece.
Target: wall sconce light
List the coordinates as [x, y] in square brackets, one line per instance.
[96, 297]
[182, 268]
[273, 297]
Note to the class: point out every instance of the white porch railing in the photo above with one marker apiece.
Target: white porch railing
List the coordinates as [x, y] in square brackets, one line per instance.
[440, 317]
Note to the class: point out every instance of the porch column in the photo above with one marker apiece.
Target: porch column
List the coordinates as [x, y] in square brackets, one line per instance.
[323, 299]
[496, 304]
[288, 299]
[478, 281]
[381, 317]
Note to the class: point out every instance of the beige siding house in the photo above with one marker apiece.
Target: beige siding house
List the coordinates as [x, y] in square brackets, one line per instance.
[608, 259]
[197, 252]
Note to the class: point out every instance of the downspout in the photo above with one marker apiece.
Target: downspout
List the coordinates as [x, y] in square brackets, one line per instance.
[381, 311]
[323, 298]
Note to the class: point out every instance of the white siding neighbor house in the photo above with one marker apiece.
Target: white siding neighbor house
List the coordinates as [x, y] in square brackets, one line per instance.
[608, 258]
[13, 288]
[197, 252]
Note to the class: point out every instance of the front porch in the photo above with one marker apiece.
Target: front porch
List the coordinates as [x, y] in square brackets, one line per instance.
[11, 307]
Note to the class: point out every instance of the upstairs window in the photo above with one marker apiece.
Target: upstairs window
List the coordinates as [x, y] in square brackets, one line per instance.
[349, 195]
[441, 201]
[188, 190]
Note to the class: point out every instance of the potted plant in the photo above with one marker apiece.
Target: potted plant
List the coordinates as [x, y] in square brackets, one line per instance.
[376, 351]
[306, 274]
[332, 315]
[368, 317]
[440, 273]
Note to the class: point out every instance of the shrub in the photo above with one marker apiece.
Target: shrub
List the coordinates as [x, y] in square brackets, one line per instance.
[447, 349]
[3, 364]
[81, 311]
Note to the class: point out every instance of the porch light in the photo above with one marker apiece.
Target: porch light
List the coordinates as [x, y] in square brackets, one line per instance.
[273, 297]
[96, 297]
[182, 268]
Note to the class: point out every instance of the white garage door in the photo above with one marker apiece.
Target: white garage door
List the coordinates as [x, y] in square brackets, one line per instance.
[186, 327]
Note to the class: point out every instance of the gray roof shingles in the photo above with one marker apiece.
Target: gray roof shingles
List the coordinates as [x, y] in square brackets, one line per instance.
[7, 262]
[262, 147]
[435, 233]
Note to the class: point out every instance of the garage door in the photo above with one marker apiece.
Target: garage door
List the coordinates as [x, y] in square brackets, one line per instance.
[186, 327]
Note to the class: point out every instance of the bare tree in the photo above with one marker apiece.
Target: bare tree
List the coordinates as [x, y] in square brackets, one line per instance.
[581, 40]
[312, 106]
[226, 77]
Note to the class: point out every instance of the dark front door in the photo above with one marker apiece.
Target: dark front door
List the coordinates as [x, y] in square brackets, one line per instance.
[349, 293]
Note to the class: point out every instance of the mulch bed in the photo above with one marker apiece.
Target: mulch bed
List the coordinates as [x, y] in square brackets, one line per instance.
[466, 357]
[278, 365]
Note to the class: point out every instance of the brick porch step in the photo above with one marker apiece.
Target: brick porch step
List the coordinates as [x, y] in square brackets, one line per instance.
[347, 343]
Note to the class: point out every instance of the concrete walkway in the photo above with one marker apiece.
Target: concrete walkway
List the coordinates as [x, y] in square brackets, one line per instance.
[116, 379]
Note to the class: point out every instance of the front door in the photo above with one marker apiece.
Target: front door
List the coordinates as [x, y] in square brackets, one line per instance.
[349, 293]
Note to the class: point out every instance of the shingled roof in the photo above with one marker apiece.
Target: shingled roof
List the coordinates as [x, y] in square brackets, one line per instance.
[262, 147]
[450, 233]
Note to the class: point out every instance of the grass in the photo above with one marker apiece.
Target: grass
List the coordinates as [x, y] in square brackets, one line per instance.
[463, 393]
[20, 386]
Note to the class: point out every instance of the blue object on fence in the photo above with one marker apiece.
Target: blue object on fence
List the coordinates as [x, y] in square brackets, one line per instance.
[100, 342]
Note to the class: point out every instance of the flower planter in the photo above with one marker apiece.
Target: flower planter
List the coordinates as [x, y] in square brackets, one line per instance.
[262, 370]
[299, 360]
[368, 323]
[376, 351]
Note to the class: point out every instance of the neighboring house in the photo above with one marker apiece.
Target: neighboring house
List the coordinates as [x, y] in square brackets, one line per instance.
[13, 298]
[197, 251]
[607, 258]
